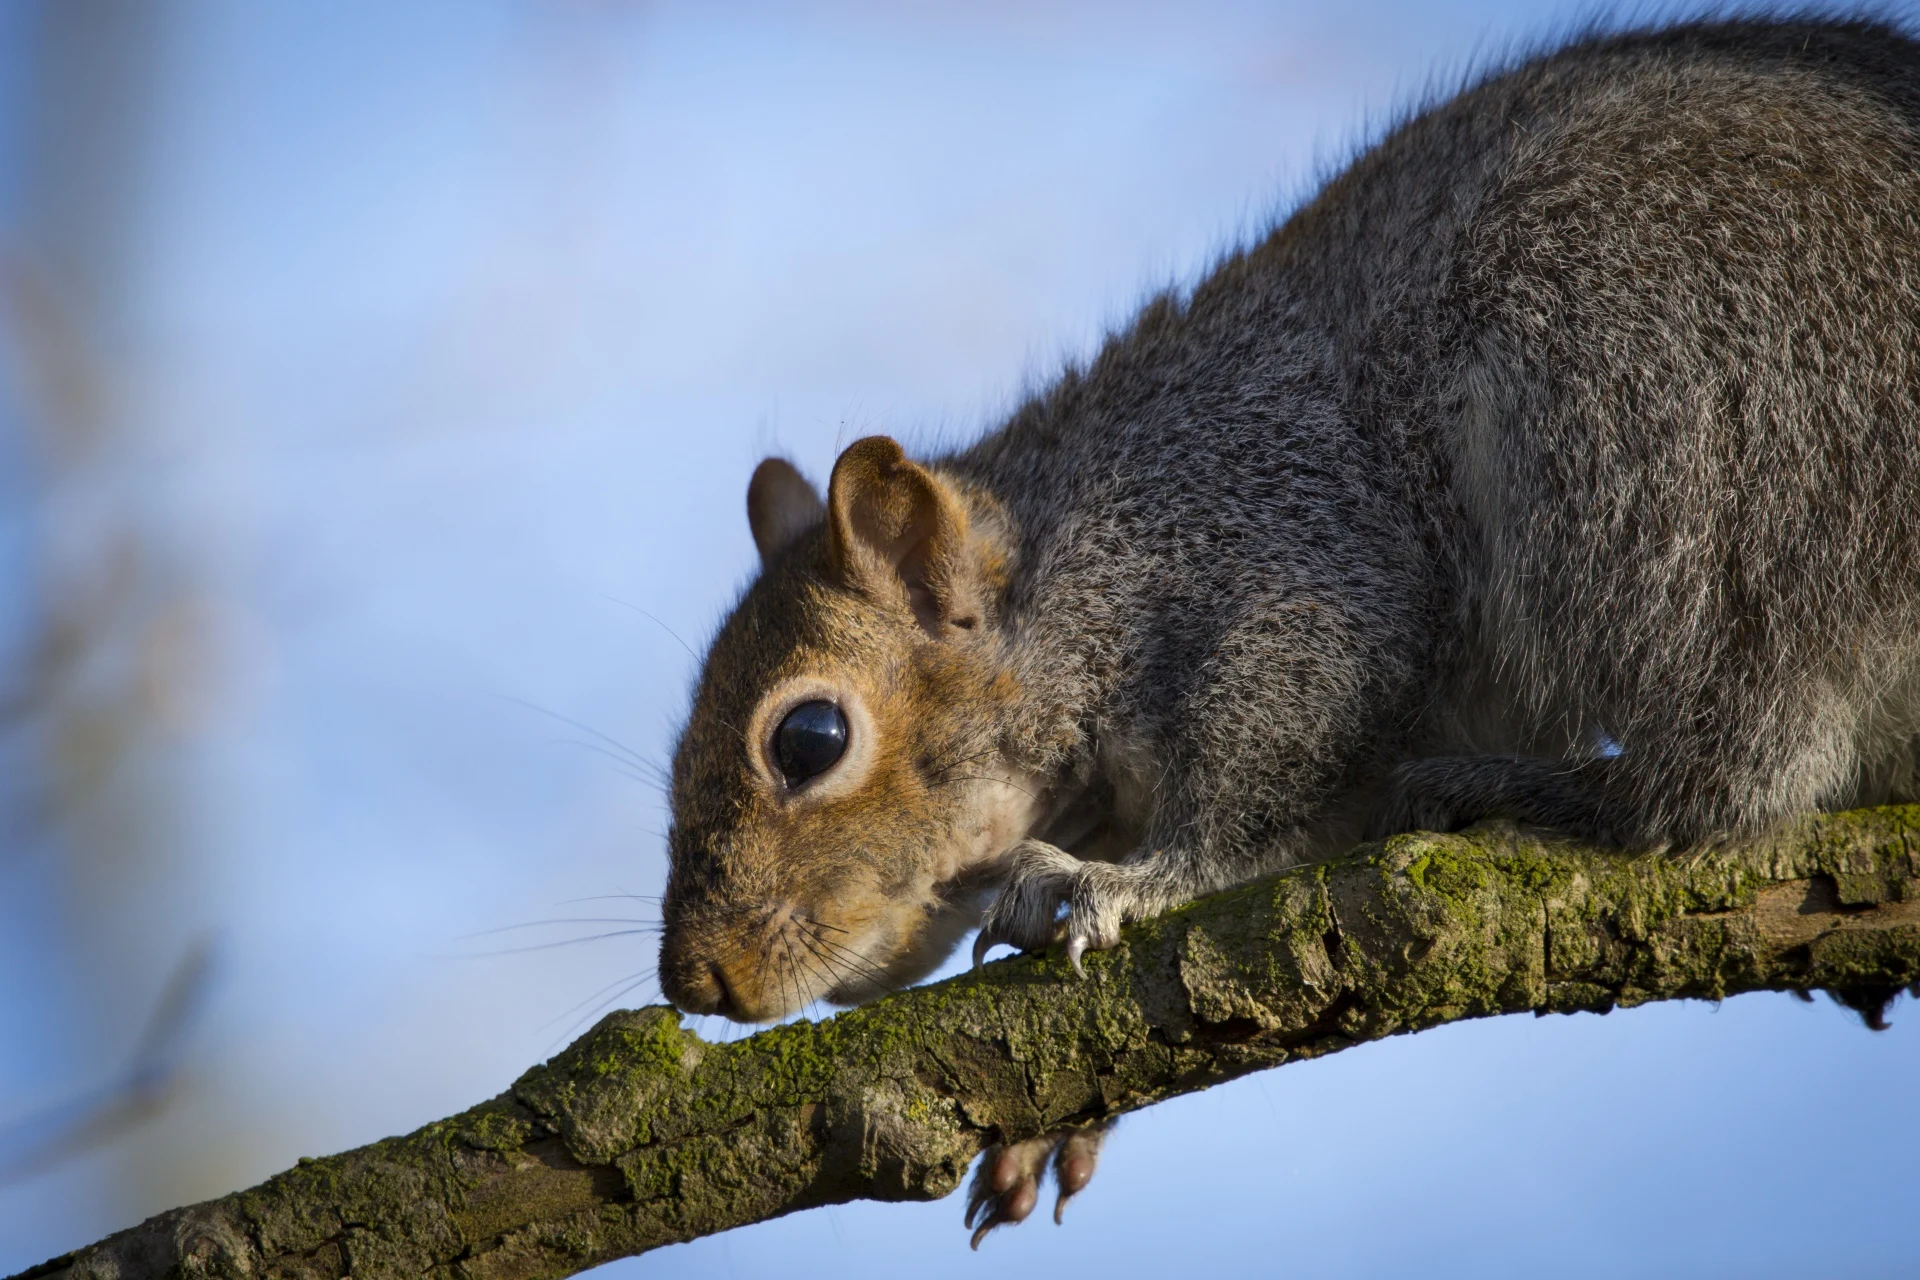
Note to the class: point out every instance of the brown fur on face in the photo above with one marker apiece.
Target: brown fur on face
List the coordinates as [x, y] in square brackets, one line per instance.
[861, 879]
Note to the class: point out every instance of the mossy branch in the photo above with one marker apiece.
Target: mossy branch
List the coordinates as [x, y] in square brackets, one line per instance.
[642, 1134]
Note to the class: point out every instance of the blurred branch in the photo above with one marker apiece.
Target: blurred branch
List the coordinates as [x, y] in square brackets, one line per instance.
[32, 1145]
[641, 1134]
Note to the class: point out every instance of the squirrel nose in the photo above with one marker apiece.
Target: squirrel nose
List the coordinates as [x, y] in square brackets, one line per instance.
[702, 988]
[706, 969]
[696, 983]
[724, 1004]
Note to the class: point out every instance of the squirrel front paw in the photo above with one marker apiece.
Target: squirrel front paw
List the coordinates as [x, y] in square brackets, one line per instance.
[1006, 1186]
[1051, 895]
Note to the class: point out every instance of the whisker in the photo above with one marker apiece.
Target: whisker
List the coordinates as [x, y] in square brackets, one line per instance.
[767, 961]
[943, 774]
[960, 761]
[622, 765]
[637, 980]
[967, 777]
[840, 975]
[861, 965]
[641, 976]
[608, 897]
[650, 618]
[566, 942]
[813, 943]
[844, 955]
[541, 924]
[848, 968]
[790, 976]
[813, 996]
[803, 980]
[842, 948]
[767, 938]
[632, 756]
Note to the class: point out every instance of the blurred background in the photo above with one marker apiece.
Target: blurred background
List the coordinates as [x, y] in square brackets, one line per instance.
[378, 387]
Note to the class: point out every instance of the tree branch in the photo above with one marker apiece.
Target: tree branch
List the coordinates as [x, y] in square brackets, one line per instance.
[641, 1134]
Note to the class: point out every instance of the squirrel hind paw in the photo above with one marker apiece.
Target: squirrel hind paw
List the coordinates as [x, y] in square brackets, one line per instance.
[1073, 1164]
[1006, 1186]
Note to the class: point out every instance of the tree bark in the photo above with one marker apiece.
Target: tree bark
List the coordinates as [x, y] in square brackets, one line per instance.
[641, 1134]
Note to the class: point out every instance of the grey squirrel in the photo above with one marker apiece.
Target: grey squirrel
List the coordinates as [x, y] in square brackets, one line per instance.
[1583, 409]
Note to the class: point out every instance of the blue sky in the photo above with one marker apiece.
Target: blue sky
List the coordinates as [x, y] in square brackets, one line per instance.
[444, 339]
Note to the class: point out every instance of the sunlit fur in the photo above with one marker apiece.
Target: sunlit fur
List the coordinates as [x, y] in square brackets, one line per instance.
[1585, 403]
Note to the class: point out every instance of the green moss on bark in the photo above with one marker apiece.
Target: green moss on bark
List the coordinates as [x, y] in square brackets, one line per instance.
[642, 1134]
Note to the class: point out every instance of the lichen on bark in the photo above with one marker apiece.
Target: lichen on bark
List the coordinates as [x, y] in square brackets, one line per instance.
[641, 1134]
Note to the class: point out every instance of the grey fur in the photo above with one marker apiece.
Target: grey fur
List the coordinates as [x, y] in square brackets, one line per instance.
[1587, 402]
[1583, 408]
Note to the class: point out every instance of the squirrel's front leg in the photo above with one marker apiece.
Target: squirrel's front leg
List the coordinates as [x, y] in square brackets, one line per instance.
[1050, 896]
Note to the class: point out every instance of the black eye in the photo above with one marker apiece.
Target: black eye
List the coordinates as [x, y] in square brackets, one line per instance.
[809, 741]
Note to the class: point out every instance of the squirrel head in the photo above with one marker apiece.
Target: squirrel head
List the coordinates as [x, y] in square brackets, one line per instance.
[840, 793]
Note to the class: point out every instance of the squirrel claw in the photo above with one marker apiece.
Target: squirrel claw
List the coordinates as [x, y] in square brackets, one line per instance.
[1012, 1207]
[1073, 1164]
[1050, 895]
[982, 943]
[1006, 1186]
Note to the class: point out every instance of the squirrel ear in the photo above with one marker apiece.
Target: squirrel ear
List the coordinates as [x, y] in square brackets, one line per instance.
[898, 533]
[781, 506]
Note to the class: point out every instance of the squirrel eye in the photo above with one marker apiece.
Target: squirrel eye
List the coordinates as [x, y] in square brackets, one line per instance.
[810, 741]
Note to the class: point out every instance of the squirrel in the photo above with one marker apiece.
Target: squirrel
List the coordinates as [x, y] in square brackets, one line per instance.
[1558, 461]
